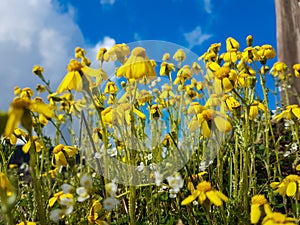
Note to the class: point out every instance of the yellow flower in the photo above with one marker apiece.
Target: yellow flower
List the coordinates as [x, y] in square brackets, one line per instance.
[79, 53]
[166, 68]
[79, 76]
[198, 85]
[289, 186]
[94, 215]
[27, 223]
[226, 77]
[137, 66]
[231, 102]
[166, 57]
[195, 108]
[73, 79]
[291, 112]
[213, 101]
[111, 88]
[144, 97]
[266, 52]
[58, 197]
[255, 106]
[117, 52]
[38, 70]
[196, 69]
[204, 192]
[60, 151]
[205, 119]
[179, 55]
[155, 111]
[38, 146]
[20, 110]
[185, 73]
[259, 204]
[5, 185]
[232, 44]
[249, 55]
[296, 68]
[100, 54]
[277, 218]
[26, 93]
[212, 53]
[279, 68]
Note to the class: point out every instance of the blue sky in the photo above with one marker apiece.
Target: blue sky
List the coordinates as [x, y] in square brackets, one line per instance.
[46, 32]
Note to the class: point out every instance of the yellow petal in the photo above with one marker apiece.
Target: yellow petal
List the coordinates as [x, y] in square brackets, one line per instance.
[43, 108]
[255, 213]
[205, 129]
[52, 201]
[139, 113]
[222, 196]
[202, 197]
[26, 147]
[291, 189]
[298, 167]
[188, 200]
[214, 198]
[14, 118]
[61, 159]
[296, 112]
[222, 124]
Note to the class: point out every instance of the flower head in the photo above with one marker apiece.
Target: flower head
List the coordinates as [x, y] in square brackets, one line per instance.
[291, 112]
[277, 218]
[137, 66]
[259, 205]
[289, 186]
[296, 68]
[205, 193]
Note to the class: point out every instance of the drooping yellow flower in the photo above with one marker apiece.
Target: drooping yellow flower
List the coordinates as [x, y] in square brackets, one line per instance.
[214, 100]
[94, 215]
[60, 152]
[27, 223]
[58, 197]
[20, 110]
[289, 186]
[179, 55]
[166, 68]
[155, 111]
[117, 52]
[185, 73]
[225, 77]
[144, 97]
[111, 88]
[5, 185]
[138, 66]
[277, 218]
[266, 52]
[38, 145]
[279, 69]
[196, 68]
[205, 193]
[79, 53]
[206, 119]
[231, 102]
[232, 44]
[249, 55]
[166, 57]
[38, 70]
[26, 93]
[291, 112]
[100, 54]
[195, 108]
[255, 106]
[296, 68]
[79, 76]
[212, 53]
[259, 206]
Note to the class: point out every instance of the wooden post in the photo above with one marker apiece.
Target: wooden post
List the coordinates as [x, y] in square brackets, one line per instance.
[288, 40]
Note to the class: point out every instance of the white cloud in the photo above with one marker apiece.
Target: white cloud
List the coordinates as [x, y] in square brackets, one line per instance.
[34, 32]
[207, 6]
[196, 37]
[107, 2]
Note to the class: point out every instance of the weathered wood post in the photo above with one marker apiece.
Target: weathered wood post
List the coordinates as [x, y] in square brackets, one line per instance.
[288, 39]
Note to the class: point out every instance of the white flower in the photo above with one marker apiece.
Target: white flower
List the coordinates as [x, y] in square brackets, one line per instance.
[149, 156]
[56, 215]
[67, 201]
[172, 193]
[83, 194]
[175, 182]
[66, 188]
[195, 202]
[140, 167]
[111, 188]
[110, 203]
[294, 147]
[86, 181]
[112, 152]
[158, 178]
